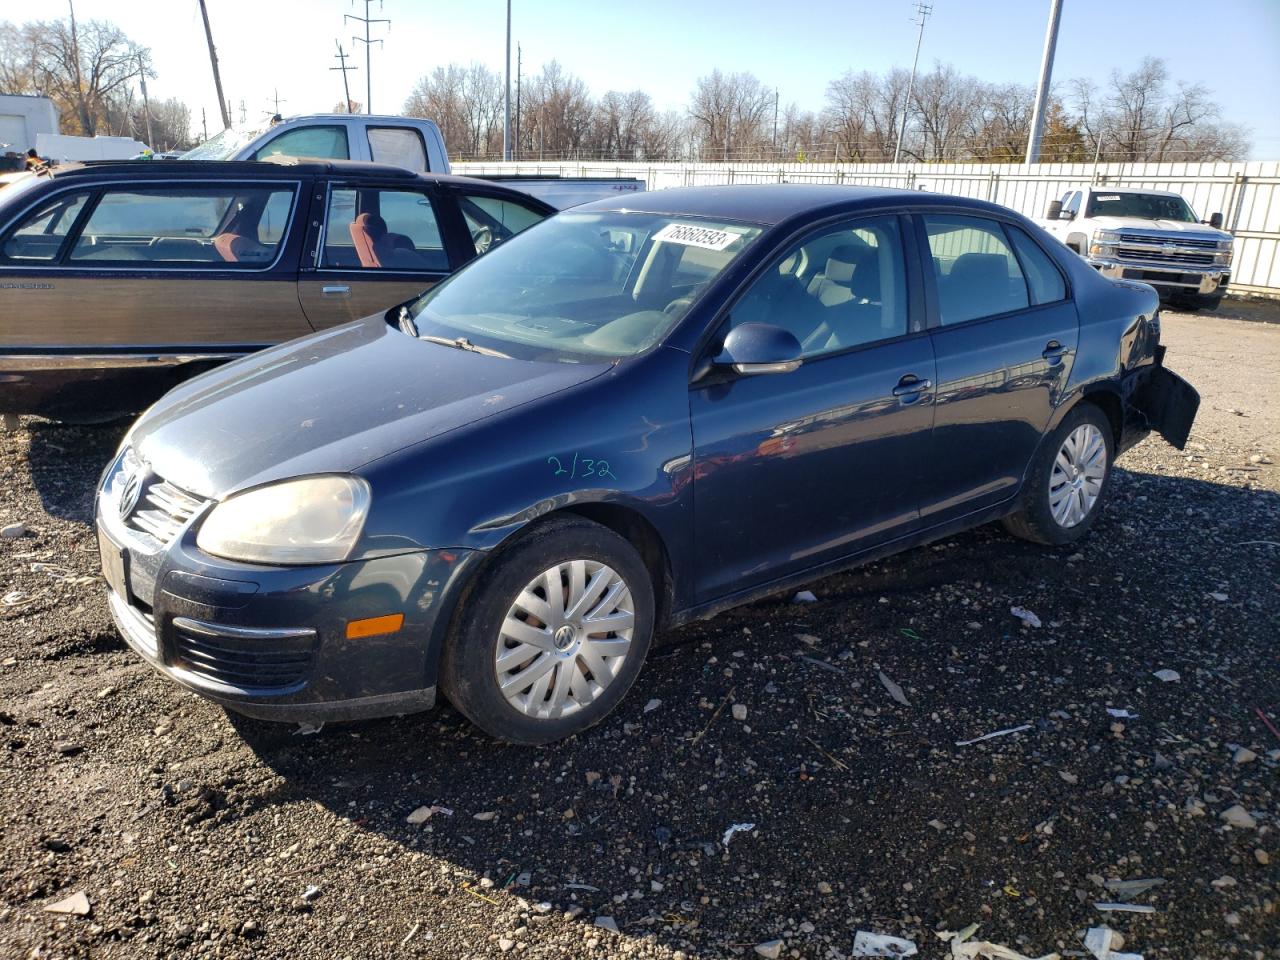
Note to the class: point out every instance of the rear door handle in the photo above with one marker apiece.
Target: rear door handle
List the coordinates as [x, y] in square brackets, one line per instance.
[1053, 350]
[911, 385]
[338, 291]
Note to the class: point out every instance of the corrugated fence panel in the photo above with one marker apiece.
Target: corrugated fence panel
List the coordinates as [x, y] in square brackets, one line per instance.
[1246, 194]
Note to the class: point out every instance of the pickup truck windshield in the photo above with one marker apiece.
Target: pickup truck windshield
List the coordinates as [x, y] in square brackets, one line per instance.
[1143, 206]
[583, 287]
[222, 147]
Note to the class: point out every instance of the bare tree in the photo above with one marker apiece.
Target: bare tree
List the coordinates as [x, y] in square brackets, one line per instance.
[85, 71]
[862, 114]
[439, 97]
[729, 111]
[558, 114]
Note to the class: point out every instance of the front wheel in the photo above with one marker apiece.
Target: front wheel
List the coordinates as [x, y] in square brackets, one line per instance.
[553, 637]
[1068, 482]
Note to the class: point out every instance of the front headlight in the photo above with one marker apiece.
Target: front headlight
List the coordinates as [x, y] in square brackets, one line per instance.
[1106, 236]
[309, 520]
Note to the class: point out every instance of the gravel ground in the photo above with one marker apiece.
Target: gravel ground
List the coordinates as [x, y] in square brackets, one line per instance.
[189, 832]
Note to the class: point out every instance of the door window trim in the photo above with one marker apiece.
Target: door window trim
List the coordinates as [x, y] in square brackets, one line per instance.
[915, 313]
[433, 198]
[100, 188]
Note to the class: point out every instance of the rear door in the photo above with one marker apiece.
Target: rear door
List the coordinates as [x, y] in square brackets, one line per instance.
[1004, 333]
[374, 246]
[105, 276]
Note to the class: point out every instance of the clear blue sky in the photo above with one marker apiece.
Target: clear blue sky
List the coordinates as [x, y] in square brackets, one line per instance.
[662, 46]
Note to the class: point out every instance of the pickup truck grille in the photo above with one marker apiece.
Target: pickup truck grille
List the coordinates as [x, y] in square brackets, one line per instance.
[1180, 241]
[1182, 251]
[1148, 255]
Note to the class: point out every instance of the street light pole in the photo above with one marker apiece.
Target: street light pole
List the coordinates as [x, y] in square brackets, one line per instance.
[1046, 75]
[506, 94]
[923, 10]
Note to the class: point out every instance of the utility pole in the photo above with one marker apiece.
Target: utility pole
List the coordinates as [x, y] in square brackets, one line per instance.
[1046, 75]
[341, 57]
[516, 152]
[368, 45]
[244, 114]
[146, 104]
[922, 11]
[223, 104]
[506, 94]
[275, 98]
[204, 124]
[775, 123]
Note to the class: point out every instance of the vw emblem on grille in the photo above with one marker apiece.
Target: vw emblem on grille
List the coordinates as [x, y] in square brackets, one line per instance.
[130, 491]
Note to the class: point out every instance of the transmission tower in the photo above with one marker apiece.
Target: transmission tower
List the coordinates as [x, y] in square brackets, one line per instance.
[368, 45]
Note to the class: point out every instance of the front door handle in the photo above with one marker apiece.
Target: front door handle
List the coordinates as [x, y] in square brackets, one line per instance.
[1053, 351]
[910, 385]
[338, 291]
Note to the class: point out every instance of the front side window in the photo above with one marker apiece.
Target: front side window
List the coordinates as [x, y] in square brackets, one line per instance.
[200, 227]
[374, 229]
[40, 237]
[1072, 206]
[583, 286]
[841, 288]
[399, 146]
[327, 143]
[491, 220]
[977, 273]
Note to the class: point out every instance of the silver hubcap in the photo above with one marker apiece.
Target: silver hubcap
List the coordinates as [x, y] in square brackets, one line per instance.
[564, 639]
[1078, 471]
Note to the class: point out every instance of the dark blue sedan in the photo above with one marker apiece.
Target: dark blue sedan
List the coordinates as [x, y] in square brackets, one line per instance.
[634, 414]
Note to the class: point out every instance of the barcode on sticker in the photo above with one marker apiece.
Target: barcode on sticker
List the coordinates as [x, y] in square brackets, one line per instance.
[693, 236]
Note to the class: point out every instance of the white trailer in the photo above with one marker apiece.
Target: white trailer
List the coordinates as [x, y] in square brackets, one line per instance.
[23, 119]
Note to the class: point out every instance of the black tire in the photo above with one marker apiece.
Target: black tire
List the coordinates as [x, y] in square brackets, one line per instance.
[1034, 519]
[468, 672]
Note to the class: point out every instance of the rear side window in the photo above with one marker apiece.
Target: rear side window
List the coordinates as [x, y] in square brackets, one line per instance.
[373, 229]
[39, 238]
[1043, 279]
[977, 273]
[491, 220]
[196, 227]
[400, 146]
[327, 143]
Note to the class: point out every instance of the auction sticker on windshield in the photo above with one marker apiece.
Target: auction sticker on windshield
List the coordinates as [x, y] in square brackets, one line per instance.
[694, 236]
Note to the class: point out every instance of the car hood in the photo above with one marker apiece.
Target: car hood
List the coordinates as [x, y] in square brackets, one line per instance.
[1197, 230]
[330, 403]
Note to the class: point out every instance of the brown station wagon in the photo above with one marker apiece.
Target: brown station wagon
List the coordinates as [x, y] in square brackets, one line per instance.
[120, 279]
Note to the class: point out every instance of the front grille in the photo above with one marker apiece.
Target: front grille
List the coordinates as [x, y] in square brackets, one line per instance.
[163, 510]
[1180, 241]
[1165, 256]
[243, 658]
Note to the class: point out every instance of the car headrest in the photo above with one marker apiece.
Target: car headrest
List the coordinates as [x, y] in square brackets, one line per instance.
[371, 224]
[841, 263]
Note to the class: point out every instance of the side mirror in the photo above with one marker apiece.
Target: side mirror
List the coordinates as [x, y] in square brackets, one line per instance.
[1215, 221]
[1055, 211]
[760, 348]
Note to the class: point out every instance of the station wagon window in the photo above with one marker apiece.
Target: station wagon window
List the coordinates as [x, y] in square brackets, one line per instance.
[491, 220]
[41, 235]
[374, 229]
[326, 142]
[977, 273]
[232, 227]
[401, 146]
[1044, 281]
[840, 288]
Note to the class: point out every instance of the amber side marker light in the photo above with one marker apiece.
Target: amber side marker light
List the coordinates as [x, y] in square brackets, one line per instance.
[372, 627]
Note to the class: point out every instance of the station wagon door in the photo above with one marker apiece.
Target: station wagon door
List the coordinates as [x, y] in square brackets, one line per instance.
[102, 283]
[374, 247]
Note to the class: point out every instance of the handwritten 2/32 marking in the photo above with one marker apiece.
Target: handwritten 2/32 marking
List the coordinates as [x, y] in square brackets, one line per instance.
[581, 466]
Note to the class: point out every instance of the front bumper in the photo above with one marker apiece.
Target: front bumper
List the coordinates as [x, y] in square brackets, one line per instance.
[1156, 398]
[1168, 278]
[271, 642]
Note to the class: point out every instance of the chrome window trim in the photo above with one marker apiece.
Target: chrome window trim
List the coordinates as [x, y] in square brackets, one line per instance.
[296, 186]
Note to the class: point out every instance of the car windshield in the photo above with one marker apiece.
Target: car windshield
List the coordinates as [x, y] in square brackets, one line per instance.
[1144, 206]
[222, 147]
[581, 287]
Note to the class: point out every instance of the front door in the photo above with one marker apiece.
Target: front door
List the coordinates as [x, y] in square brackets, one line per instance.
[1005, 337]
[378, 246]
[796, 469]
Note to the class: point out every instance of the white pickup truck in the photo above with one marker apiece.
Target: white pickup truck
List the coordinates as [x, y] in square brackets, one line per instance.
[409, 142]
[1148, 235]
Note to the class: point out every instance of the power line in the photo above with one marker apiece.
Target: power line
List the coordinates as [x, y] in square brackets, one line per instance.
[368, 45]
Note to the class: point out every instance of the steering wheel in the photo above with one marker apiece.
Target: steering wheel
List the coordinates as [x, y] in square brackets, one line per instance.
[678, 305]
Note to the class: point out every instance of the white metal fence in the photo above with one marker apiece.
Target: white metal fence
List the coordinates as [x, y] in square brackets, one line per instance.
[1247, 194]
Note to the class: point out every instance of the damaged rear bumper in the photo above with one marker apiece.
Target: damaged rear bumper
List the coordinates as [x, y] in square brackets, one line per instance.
[1157, 399]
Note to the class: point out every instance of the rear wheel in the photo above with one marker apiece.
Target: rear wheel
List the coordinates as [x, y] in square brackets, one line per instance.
[554, 636]
[1069, 480]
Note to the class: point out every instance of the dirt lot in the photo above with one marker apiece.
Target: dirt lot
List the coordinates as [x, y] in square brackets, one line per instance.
[190, 833]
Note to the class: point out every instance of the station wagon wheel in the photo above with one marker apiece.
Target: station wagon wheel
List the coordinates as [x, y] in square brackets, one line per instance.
[1068, 481]
[1075, 482]
[552, 634]
[565, 638]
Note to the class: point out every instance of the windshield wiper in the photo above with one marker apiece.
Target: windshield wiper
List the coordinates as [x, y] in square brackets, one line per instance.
[462, 343]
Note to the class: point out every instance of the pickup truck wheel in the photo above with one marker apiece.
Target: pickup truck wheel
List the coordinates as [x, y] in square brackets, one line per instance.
[554, 635]
[1068, 482]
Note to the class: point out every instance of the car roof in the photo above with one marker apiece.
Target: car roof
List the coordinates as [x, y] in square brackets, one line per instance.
[772, 203]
